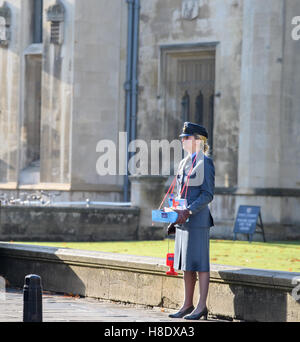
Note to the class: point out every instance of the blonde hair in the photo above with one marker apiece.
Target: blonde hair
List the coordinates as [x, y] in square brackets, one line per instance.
[205, 146]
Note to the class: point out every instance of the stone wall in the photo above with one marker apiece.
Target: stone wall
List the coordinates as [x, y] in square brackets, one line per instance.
[10, 71]
[235, 293]
[70, 224]
[59, 100]
[268, 140]
[164, 28]
[255, 111]
[57, 92]
[99, 62]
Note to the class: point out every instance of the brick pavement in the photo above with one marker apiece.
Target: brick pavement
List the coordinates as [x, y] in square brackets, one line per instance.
[59, 308]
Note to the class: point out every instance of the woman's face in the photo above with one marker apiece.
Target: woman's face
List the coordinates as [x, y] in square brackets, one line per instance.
[191, 144]
[188, 144]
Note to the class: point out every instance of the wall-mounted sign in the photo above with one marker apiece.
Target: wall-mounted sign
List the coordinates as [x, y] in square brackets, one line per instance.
[247, 221]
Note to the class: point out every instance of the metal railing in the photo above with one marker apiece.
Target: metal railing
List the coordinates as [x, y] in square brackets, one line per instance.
[44, 199]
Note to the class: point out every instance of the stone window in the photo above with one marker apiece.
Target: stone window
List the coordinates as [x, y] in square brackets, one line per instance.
[38, 22]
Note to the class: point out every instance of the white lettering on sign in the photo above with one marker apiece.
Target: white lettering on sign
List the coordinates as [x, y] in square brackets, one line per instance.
[296, 29]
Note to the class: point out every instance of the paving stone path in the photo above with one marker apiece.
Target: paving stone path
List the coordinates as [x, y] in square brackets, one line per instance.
[60, 308]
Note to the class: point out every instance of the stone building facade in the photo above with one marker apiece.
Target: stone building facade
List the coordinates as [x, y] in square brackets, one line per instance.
[69, 80]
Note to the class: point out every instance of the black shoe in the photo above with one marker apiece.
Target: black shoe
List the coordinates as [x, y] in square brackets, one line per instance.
[196, 317]
[181, 314]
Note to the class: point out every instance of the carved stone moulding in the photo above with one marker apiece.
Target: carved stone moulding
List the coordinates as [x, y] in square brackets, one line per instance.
[5, 23]
[56, 15]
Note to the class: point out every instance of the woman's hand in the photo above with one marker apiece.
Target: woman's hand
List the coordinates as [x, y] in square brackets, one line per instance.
[183, 215]
[171, 229]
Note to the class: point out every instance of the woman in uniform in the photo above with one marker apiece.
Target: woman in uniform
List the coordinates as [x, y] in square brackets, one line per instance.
[195, 182]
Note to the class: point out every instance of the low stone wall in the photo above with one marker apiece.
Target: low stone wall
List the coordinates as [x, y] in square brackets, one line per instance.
[72, 224]
[235, 293]
[106, 224]
[75, 224]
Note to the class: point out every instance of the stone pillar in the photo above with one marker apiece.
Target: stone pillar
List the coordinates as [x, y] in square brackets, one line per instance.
[268, 119]
[147, 193]
[260, 103]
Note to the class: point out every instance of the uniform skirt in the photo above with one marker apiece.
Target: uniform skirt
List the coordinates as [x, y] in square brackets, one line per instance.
[192, 249]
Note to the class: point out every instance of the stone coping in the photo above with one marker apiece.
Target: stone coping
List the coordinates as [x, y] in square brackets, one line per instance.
[77, 208]
[219, 273]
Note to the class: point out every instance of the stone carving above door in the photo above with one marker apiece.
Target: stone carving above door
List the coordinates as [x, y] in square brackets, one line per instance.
[190, 9]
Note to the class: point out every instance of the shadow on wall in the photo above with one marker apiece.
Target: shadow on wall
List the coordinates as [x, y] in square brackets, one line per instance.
[244, 294]
[256, 295]
[57, 276]
[259, 304]
[24, 125]
[8, 171]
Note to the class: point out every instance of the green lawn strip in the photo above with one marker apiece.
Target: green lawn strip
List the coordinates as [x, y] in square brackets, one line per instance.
[283, 256]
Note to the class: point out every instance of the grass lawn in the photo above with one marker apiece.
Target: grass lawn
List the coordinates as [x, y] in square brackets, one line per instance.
[284, 256]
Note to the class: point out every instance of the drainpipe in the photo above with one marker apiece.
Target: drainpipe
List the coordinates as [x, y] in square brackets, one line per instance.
[131, 85]
[128, 88]
[135, 82]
